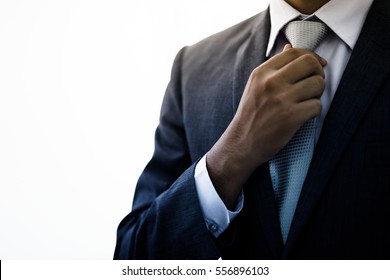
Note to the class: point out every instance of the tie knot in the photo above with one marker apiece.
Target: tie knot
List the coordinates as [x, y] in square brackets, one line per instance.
[306, 34]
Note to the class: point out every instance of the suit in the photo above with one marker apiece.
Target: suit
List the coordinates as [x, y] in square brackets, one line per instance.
[344, 208]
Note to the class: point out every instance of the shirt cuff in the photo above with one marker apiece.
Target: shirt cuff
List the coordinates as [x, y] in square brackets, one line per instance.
[217, 217]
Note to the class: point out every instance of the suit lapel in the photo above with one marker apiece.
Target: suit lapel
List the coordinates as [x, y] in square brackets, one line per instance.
[250, 55]
[259, 187]
[366, 71]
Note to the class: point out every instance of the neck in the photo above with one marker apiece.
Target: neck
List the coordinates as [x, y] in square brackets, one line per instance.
[307, 6]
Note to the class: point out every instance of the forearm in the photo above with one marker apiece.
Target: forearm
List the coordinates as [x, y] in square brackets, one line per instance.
[228, 167]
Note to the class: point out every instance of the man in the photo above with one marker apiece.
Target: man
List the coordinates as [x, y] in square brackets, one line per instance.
[234, 103]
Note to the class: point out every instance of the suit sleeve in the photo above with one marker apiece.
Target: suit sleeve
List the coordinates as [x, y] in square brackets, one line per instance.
[166, 221]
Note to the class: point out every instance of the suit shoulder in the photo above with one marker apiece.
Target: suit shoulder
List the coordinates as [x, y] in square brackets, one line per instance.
[231, 34]
[222, 44]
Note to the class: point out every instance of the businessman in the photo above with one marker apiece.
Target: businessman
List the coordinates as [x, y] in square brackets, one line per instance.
[273, 142]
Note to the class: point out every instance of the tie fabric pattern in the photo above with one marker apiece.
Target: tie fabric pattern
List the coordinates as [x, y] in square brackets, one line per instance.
[289, 167]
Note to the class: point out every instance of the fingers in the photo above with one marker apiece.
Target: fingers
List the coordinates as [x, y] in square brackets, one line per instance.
[302, 67]
[307, 110]
[287, 47]
[279, 97]
[288, 55]
[301, 78]
[311, 87]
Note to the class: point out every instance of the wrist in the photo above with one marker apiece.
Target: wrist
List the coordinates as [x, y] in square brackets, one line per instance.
[229, 169]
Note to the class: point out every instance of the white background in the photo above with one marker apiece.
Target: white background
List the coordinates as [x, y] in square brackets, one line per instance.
[81, 84]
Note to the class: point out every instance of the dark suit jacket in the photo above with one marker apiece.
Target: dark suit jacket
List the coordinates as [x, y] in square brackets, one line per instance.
[344, 208]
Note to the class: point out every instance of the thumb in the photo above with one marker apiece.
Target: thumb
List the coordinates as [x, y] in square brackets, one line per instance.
[287, 47]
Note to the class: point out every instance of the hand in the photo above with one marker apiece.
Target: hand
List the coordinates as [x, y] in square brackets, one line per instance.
[280, 96]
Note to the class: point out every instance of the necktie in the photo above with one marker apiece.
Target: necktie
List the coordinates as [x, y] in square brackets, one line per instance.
[289, 167]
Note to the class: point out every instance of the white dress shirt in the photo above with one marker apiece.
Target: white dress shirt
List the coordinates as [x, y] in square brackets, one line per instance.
[345, 18]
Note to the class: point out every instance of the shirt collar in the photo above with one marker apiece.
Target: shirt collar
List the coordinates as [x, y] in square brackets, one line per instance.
[344, 17]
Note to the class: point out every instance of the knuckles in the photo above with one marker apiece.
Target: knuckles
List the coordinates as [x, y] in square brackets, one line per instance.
[269, 93]
[318, 83]
[265, 81]
[294, 52]
[310, 59]
[279, 100]
[270, 84]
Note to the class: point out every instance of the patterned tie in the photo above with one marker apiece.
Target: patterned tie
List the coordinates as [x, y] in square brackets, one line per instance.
[289, 167]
